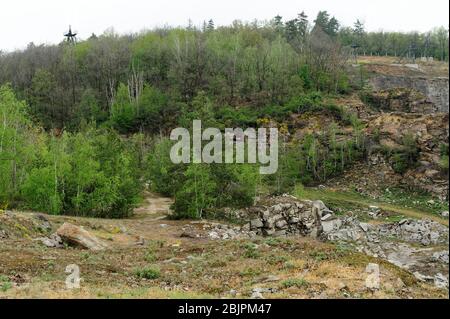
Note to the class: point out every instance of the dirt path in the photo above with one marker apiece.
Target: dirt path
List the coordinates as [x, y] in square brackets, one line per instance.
[154, 207]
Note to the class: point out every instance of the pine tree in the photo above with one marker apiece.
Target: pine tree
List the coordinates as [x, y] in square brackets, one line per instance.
[210, 26]
[302, 24]
[278, 23]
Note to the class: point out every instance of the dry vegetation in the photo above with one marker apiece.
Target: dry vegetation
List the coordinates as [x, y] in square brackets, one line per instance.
[168, 266]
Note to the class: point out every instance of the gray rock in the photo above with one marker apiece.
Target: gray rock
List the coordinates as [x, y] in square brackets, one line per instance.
[277, 208]
[422, 277]
[78, 236]
[257, 295]
[54, 241]
[320, 205]
[441, 281]
[282, 224]
[332, 225]
[256, 223]
[277, 217]
[441, 256]
[280, 233]
[214, 235]
[268, 232]
[44, 223]
[365, 227]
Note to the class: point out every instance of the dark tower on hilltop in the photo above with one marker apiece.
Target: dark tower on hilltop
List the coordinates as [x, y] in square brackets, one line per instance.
[71, 36]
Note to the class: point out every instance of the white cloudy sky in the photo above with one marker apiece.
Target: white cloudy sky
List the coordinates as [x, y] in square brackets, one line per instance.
[44, 21]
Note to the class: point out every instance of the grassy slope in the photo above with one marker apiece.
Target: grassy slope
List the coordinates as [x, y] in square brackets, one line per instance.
[351, 200]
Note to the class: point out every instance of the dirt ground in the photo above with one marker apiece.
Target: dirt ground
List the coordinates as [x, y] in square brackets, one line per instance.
[148, 258]
[397, 66]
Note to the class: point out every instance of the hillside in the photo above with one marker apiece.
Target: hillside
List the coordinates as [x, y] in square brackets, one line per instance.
[96, 201]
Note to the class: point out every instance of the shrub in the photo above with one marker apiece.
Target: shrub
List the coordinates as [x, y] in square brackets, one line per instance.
[251, 251]
[5, 284]
[148, 273]
[400, 163]
[295, 282]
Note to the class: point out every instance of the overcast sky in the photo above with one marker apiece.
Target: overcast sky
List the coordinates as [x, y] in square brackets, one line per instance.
[44, 21]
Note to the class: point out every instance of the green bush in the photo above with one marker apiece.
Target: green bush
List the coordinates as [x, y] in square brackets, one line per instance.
[251, 251]
[5, 284]
[149, 273]
[400, 163]
[295, 282]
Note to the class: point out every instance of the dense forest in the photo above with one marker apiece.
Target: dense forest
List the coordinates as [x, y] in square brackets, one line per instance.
[84, 126]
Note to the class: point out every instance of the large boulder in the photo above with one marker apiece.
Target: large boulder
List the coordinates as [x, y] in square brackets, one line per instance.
[77, 236]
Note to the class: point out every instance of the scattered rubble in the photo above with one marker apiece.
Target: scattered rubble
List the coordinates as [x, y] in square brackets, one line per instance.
[425, 232]
[441, 256]
[53, 241]
[43, 223]
[374, 212]
[257, 293]
[216, 231]
[441, 281]
[396, 243]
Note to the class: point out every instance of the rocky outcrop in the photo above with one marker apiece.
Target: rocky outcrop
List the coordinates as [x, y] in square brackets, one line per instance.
[430, 132]
[283, 216]
[401, 100]
[435, 90]
[425, 232]
[408, 244]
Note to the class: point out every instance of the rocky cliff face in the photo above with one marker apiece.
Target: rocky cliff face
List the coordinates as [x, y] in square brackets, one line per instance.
[409, 100]
[435, 90]
[430, 132]
[401, 100]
